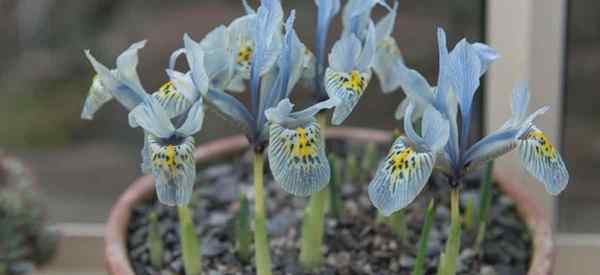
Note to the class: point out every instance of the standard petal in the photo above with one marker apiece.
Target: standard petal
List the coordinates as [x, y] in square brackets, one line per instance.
[435, 129]
[487, 55]
[230, 108]
[195, 119]
[151, 116]
[385, 26]
[543, 161]
[97, 96]
[127, 67]
[344, 53]
[414, 85]
[400, 177]
[365, 60]
[195, 58]
[297, 158]
[348, 88]
[172, 101]
[385, 65]
[173, 170]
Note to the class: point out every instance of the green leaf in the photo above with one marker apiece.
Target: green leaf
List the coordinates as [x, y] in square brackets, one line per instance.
[154, 241]
[419, 267]
[190, 244]
[242, 230]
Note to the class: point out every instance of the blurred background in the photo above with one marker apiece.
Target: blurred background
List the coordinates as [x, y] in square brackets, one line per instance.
[83, 166]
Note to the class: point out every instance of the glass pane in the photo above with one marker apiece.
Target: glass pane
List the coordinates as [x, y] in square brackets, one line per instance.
[579, 207]
[83, 166]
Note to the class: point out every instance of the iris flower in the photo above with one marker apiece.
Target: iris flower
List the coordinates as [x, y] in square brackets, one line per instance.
[444, 145]
[168, 149]
[269, 120]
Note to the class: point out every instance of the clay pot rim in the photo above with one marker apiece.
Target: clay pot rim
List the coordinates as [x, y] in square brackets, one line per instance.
[117, 260]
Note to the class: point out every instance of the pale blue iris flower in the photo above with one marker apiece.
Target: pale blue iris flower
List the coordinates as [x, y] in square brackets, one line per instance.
[168, 149]
[269, 121]
[444, 142]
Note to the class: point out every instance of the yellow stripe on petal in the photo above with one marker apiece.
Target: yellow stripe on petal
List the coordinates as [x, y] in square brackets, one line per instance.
[297, 158]
[543, 161]
[171, 100]
[173, 169]
[400, 177]
[348, 87]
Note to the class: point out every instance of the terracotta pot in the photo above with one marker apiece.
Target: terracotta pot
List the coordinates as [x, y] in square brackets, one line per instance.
[117, 261]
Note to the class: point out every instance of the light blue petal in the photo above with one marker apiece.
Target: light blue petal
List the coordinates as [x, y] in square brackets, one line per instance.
[542, 160]
[151, 116]
[248, 8]
[356, 16]
[174, 56]
[385, 26]
[146, 165]
[414, 85]
[174, 170]
[124, 94]
[401, 110]
[327, 9]
[236, 85]
[400, 177]
[520, 102]
[465, 69]
[97, 96]
[409, 130]
[435, 129]
[194, 120]
[184, 85]
[487, 55]
[347, 88]
[282, 113]
[173, 102]
[365, 60]
[386, 65]
[297, 158]
[217, 55]
[443, 83]
[490, 147]
[345, 53]
[195, 58]
[127, 67]
[230, 108]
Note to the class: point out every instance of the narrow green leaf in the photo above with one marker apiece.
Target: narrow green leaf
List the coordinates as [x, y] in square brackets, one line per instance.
[369, 161]
[397, 222]
[242, 230]
[311, 255]
[469, 215]
[154, 241]
[419, 267]
[485, 200]
[352, 169]
[335, 198]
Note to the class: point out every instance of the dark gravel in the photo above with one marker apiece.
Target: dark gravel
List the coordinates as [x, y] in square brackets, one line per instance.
[354, 244]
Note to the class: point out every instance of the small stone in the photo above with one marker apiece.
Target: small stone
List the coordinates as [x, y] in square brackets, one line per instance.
[218, 218]
[212, 247]
[487, 270]
[407, 261]
[217, 170]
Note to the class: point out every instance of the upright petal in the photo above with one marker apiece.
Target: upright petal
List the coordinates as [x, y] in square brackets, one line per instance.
[543, 161]
[400, 177]
[195, 58]
[385, 26]
[195, 119]
[297, 158]
[151, 116]
[344, 53]
[365, 60]
[487, 55]
[97, 96]
[435, 129]
[173, 170]
[127, 67]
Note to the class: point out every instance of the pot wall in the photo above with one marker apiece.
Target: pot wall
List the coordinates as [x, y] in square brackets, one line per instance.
[117, 261]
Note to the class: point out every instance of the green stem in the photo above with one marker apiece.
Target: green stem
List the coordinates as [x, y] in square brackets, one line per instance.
[449, 257]
[312, 231]
[190, 244]
[261, 242]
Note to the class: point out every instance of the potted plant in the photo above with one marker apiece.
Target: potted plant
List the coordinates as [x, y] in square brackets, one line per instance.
[253, 47]
[25, 242]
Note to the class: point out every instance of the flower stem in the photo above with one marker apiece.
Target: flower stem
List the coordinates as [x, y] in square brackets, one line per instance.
[261, 242]
[243, 237]
[448, 260]
[190, 244]
[485, 200]
[312, 231]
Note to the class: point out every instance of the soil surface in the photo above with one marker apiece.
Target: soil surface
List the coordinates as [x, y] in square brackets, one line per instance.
[357, 242]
